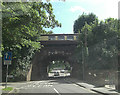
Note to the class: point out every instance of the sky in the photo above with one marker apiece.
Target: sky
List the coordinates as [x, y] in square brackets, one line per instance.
[69, 11]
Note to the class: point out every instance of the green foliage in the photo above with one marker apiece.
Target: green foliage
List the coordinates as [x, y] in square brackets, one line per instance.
[98, 44]
[59, 64]
[8, 89]
[83, 19]
[22, 25]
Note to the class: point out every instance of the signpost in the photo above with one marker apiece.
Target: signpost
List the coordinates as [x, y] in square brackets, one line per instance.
[7, 61]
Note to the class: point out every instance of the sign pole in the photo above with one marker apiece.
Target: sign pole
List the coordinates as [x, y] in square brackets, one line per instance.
[6, 76]
[7, 61]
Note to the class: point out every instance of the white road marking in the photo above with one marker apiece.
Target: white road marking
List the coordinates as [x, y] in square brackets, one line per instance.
[57, 92]
[50, 85]
[21, 87]
[75, 85]
[10, 91]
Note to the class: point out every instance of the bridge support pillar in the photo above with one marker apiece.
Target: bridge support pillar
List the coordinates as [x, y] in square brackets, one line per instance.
[34, 70]
[43, 72]
[76, 71]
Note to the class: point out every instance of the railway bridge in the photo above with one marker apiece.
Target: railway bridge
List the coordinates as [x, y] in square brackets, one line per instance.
[55, 47]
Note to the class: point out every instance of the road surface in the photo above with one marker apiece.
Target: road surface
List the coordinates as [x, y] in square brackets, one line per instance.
[58, 86]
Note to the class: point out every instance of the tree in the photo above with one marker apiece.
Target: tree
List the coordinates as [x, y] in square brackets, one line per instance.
[102, 47]
[84, 18]
[22, 25]
[101, 41]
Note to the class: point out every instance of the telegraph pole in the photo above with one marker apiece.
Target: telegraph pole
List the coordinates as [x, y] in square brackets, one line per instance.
[85, 52]
[83, 62]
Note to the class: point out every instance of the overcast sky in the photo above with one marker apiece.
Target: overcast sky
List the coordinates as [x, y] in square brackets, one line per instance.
[67, 12]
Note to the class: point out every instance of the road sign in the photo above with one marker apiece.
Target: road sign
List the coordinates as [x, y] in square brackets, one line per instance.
[7, 62]
[8, 56]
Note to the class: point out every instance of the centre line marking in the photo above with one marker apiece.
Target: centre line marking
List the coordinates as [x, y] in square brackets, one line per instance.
[57, 92]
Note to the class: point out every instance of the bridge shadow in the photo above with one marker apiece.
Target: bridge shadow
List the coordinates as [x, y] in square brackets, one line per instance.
[60, 80]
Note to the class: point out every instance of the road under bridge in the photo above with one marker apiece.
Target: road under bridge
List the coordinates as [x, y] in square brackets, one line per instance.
[63, 47]
[56, 47]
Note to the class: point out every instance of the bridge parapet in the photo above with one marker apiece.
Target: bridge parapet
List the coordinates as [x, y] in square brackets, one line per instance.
[59, 37]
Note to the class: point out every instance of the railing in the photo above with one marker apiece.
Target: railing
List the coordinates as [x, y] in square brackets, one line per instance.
[58, 37]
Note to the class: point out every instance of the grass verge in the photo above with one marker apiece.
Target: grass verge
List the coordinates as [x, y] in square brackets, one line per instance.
[8, 89]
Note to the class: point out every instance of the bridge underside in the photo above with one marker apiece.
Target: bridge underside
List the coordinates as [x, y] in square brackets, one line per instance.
[54, 51]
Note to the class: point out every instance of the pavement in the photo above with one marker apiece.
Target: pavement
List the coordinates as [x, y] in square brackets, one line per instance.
[2, 86]
[107, 90]
[2, 91]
